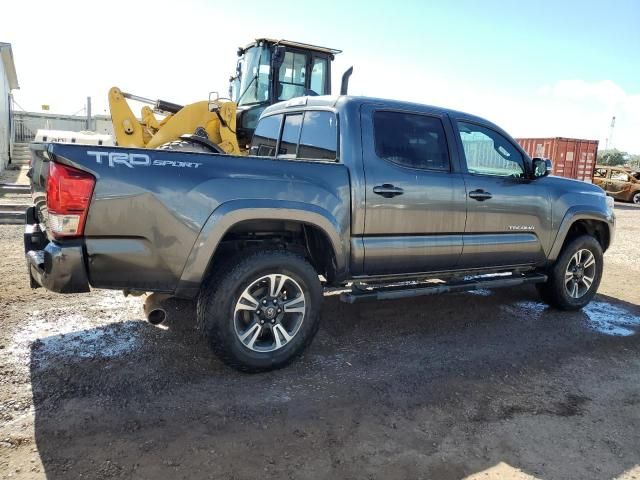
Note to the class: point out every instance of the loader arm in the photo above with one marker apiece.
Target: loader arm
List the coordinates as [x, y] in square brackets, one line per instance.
[217, 118]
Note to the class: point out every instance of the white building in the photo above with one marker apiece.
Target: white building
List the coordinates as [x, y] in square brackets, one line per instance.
[8, 82]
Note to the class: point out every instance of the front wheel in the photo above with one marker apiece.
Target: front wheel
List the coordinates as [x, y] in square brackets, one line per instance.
[636, 198]
[261, 310]
[575, 276]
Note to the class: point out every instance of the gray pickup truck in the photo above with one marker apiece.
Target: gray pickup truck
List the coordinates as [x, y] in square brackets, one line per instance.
[386, 199]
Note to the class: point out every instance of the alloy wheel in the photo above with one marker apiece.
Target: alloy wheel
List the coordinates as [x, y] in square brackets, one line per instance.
[269, 313]
[580, 273]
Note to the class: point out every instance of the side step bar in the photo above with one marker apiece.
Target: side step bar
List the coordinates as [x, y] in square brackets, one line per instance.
[418, 289]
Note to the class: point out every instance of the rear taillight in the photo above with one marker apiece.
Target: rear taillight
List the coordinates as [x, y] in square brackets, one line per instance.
[69, 192]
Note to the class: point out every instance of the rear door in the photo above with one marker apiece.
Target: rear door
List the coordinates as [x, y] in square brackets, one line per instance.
[508, 216]
[619, 184]
[415, 202]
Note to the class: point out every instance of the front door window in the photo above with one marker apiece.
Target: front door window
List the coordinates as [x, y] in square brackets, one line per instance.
[489, 153]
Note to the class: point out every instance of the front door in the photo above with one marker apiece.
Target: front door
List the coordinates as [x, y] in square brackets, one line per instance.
[508, 215]
[415, 203]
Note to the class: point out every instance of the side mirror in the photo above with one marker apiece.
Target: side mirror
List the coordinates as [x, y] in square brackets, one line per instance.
[541, 167]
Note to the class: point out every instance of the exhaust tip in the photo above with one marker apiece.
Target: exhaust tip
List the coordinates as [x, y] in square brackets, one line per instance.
[154, 309]
[156, 316]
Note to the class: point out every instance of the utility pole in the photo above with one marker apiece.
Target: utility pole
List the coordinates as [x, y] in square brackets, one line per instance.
[89, 114]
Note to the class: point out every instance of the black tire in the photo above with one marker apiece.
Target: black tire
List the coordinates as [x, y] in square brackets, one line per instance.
[555, 291]
[221, 293]
[636, 198]
[184, 146]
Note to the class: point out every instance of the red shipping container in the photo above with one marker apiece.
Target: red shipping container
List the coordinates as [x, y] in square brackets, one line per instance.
[571, 157]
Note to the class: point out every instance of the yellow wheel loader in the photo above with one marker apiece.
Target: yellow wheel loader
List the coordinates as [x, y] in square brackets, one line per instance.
[268, 71]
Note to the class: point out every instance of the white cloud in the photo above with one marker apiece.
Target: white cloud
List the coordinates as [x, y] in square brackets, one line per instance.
[580, 108]
[566, 108]
[84, 58]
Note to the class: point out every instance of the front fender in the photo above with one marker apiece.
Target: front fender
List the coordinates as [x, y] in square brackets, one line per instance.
[580, 212]
[230, 213]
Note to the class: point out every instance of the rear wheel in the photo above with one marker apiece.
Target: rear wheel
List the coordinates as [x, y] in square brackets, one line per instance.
[575, 276]
[636, 198]
[261, 310]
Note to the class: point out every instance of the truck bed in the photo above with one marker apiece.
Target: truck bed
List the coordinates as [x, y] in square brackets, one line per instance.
[149, 207]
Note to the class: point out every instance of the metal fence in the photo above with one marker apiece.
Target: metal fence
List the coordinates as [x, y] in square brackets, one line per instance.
[26, 124]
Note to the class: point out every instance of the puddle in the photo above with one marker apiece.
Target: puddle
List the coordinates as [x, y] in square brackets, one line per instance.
[611, 319]
[527, 308]
[482, 292]
[74, 336]
[104, 330]
[602, 317]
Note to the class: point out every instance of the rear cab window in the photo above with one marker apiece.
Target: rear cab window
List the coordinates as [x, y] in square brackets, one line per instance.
[309, 135]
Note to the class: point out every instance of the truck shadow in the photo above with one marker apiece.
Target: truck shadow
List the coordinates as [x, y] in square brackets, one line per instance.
[387, 390]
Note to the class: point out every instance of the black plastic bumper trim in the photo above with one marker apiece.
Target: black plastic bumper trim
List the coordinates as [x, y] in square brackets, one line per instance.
[59, 268]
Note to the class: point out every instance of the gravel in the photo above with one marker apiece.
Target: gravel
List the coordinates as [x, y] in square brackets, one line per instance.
[489, 384]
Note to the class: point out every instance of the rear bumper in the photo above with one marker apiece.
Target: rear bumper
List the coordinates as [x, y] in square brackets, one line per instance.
[56, 267]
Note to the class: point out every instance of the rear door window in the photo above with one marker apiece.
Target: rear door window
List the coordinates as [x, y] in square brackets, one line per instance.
[319, 136]
[266, 136]
[619, 176]
[411, 140]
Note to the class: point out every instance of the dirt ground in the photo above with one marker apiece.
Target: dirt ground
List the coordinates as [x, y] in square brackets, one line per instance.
[490, 384]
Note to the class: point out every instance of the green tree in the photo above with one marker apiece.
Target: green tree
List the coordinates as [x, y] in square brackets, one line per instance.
[612, 157]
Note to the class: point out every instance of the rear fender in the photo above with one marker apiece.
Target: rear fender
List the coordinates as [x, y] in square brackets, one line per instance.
[231, 213]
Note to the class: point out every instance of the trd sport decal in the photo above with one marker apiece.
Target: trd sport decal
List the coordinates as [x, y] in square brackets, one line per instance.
[132, 160]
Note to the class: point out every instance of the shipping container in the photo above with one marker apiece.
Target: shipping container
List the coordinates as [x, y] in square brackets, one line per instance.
[571, 157]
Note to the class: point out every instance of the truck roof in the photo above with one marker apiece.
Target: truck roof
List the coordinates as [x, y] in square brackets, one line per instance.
[341, 102]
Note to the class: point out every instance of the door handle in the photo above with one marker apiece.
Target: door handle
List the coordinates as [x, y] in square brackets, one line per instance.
[387, 190]
[480, 195]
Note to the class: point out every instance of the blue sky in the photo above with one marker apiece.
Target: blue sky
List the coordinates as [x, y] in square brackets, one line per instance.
[537, 68]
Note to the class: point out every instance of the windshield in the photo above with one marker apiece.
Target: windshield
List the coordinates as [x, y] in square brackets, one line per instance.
[251, 85]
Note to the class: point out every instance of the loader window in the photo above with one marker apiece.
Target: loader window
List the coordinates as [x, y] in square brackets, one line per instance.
[319, 76]
[411, 140]
[252, 84]
[292, 79]
[319, 136]
[266, 136]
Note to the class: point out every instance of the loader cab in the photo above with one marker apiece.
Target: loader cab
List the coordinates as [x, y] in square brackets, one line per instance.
[271, 71]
